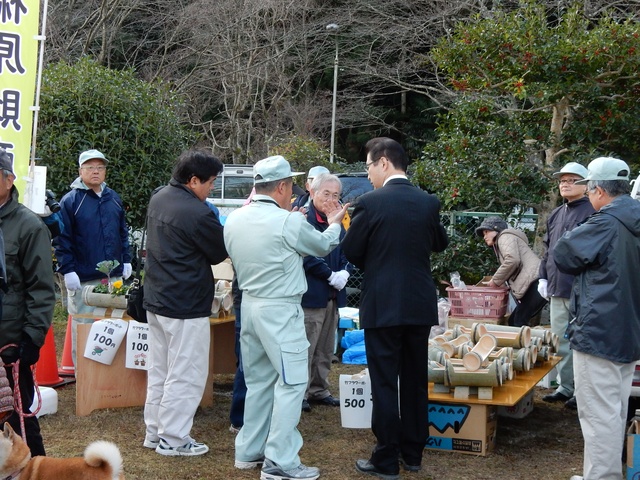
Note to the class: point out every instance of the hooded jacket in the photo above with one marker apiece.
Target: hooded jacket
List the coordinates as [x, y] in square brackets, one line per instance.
[95, 229]
[28, 304]
[562, 219]
[604, 255]
[519, 265]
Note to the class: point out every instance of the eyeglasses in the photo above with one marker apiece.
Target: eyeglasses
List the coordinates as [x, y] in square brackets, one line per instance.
[569, 181]
[95, 168]
[367, 165]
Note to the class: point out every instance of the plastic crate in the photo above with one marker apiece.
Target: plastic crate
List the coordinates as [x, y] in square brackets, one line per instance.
[478, 301]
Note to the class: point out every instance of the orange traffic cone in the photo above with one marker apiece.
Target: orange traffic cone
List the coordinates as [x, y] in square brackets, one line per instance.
[66, 366]
[47, 366]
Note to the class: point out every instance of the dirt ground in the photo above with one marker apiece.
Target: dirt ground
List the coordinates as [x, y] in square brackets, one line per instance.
[547, 444]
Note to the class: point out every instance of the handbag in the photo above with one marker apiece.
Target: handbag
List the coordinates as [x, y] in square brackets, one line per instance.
[135, 294]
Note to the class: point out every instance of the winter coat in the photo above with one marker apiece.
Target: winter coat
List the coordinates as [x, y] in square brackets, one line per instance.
[519, 265]
[317, 270]
[27, 307]
[95, 229]
[562, 219]
[604, 255]
[184, 238]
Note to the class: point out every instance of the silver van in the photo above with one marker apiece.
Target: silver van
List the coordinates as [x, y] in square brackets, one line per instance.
[232, 187]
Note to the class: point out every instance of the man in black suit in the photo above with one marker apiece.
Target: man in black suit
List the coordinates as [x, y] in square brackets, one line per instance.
[393, 231]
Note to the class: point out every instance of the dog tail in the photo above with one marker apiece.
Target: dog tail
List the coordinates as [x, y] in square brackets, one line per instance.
[99, 453]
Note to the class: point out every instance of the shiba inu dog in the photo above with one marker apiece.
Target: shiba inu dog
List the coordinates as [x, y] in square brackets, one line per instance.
[101, 461]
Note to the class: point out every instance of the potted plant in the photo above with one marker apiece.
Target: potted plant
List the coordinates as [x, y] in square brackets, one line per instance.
[108, 294]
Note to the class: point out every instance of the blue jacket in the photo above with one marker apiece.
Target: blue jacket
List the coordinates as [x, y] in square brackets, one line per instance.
[604, 255]
[317, 270]
[95, 229]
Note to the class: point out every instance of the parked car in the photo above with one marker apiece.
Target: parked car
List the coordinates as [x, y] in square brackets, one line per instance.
[233, 185]
[354, 185]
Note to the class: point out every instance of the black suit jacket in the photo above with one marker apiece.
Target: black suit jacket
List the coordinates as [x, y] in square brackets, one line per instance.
[393, 231]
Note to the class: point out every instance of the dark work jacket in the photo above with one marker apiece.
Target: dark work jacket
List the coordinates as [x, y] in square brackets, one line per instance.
[317, 270]
[604, 254]
[561, 220]
[184, 238]
[393, 231]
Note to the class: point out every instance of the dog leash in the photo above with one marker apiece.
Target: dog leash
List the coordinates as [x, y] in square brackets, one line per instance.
[17, 397]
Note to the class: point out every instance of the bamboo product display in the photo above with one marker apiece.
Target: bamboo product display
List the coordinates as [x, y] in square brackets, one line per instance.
[516, 337]
[478, 355]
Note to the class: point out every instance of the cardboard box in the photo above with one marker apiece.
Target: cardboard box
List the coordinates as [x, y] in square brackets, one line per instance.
[549, 380]
[633, 451]
[520, 409]
[462, 427]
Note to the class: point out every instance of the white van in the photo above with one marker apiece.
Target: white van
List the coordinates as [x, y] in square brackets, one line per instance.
[232, 188]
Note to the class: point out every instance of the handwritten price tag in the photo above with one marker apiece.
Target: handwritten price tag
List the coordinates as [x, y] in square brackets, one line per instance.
[104, 340]
[138, 348]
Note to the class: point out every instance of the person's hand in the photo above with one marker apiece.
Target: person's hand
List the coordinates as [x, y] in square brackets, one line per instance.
[337, 213]
[126, 270]
[492, 284]
[302, 210]
[542, 288]
[339, 279]
[72, 281]
[29, 351]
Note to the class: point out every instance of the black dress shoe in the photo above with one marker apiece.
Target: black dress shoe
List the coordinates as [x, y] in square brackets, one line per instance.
[365, 466]
[409, 467]
[305, 406]
[571, 403]
[329, 401]
[555, 397]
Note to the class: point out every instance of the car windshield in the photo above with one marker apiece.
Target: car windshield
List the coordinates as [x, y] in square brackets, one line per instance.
[353, 186]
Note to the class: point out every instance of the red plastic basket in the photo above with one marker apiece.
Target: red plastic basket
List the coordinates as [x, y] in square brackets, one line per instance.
[478, 301]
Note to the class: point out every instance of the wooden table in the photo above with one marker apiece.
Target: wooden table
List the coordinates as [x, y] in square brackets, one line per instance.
[109, 386]
[508, 394]
[469, 425]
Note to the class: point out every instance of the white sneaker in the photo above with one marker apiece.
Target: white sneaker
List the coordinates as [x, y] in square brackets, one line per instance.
[248, 465]
[270, 471]
[577, 477]
[233, 429]
[151, 443]
[189, 449]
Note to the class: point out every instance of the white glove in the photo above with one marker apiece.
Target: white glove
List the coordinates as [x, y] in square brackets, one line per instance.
[126, 270]
[542, 288]
[339, 279]
[72, 281]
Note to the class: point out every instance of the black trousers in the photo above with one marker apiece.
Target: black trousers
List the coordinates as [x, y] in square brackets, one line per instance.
[527, 307]
[31, 424]
[398, 353]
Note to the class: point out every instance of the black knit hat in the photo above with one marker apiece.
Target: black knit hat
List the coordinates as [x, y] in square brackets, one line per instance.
[5, 161]
[495, 224]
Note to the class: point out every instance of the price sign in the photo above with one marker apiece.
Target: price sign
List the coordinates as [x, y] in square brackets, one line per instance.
[355, 400]
[138, 348]
[104, 340]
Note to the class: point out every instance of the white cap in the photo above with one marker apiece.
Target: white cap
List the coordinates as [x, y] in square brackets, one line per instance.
[315, 171]
[271, 169]
[572, 167]
[90, 155]
[606, 168]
